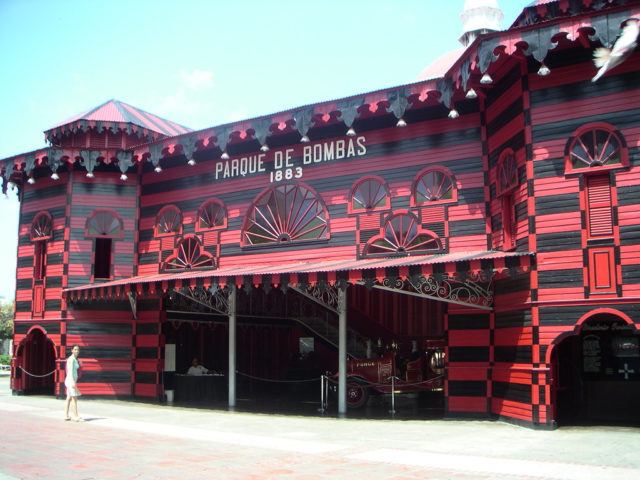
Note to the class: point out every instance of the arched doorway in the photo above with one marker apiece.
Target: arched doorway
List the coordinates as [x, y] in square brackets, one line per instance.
[34, 364]
[597, 372]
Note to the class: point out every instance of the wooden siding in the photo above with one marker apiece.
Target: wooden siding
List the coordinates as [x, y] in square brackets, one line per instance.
[498, 361]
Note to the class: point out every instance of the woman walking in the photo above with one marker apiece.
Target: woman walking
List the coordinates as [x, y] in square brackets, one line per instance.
[71, 382]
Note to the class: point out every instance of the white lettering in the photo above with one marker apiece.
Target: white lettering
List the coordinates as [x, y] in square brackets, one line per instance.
[351, 152]
[317, 153]
[284, 165]
[244, 168]
[277, 160]
[328, 151]
[339, 149]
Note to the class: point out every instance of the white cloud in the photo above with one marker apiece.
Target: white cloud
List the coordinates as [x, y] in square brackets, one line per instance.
[196, 79]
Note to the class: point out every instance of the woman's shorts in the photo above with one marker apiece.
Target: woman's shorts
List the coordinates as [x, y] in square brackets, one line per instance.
[72, 391]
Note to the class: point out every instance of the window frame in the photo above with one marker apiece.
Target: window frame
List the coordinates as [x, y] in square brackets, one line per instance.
[103, 258]
[401, 250]
[49, 222]
[569, 169]
[590, 205]
[177, 252]
[508, 160]
[222, 209]
[39, 260]
[94, 214]
[179, 223]
[278, 236]
[418, 179]
[356, 187]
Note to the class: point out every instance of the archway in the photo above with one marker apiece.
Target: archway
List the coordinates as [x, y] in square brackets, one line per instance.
[34, 362]
[597, 371]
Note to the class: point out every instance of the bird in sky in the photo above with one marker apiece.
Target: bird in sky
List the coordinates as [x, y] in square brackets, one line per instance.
[605, 59]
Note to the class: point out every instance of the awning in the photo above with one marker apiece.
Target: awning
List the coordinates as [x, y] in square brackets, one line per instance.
[453, 265]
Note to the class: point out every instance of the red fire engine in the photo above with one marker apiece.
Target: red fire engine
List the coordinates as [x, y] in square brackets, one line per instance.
[420, 371]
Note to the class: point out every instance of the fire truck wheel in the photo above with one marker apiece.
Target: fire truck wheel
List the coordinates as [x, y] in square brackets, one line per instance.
[357, 394]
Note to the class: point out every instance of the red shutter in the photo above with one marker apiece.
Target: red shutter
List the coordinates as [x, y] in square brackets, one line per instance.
[602, 271]
[368, 222]
[38, 300]
[599, 199]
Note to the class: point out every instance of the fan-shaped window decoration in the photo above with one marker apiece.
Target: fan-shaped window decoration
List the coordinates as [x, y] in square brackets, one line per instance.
[41, 227]
[402, 235]
[104, 224]
[431, 185]
[368, 194]
[211, 215]
[596, 145]
[507, 172]
[169, 221]
[286, 213]
[189, 254]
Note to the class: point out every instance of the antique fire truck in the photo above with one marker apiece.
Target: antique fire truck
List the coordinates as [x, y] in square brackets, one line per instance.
[419, 371]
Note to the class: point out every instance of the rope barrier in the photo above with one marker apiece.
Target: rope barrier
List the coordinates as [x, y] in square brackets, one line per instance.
[324, 389]
[368, 384]
[37, 376]
[275, 381]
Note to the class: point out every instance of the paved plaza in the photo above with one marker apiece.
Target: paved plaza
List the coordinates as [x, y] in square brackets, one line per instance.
[133, 440]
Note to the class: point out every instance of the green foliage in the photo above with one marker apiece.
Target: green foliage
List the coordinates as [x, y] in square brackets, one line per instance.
[6, 320]
[5, 360]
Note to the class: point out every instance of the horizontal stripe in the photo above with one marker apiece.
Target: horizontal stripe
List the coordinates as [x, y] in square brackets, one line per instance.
[460, 388]
[468, 354]
[512, 391]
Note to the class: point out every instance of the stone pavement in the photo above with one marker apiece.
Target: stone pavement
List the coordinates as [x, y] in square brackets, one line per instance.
[132, 440]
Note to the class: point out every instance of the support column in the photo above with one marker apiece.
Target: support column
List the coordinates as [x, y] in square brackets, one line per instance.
[342, 349]
[231, 375]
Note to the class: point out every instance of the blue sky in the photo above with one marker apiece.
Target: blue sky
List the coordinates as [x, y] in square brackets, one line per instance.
[202, 63]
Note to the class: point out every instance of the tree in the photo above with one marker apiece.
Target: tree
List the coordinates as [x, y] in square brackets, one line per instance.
[6, 320]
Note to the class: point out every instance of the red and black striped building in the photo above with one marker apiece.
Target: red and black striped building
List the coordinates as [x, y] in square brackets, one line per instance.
[491, 208]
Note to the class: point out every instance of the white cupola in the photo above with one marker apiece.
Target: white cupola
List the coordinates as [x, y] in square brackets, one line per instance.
[479, 17]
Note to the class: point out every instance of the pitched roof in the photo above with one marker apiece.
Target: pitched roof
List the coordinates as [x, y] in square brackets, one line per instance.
[118, 112]
[441, 65]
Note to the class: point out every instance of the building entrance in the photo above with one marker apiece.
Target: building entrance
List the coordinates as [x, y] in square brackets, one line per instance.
[598, 374]
[34, 365]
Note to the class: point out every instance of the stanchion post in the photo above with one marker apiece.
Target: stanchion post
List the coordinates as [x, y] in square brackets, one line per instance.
[393, 395]
[232, 347]
[342, 349]
[321, 409]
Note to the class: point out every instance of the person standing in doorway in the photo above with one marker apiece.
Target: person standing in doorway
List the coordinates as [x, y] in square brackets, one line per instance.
[71, 382]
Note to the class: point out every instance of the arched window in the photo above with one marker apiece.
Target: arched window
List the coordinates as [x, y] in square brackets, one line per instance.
[211, 215]
[507, 172]
[369, 193]
[41, 231]
[402, 234]
[431, 185]
[169, 221]
[595, 145]
[283, 214]
[41, 227]
[189, 254]
[104, 223]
